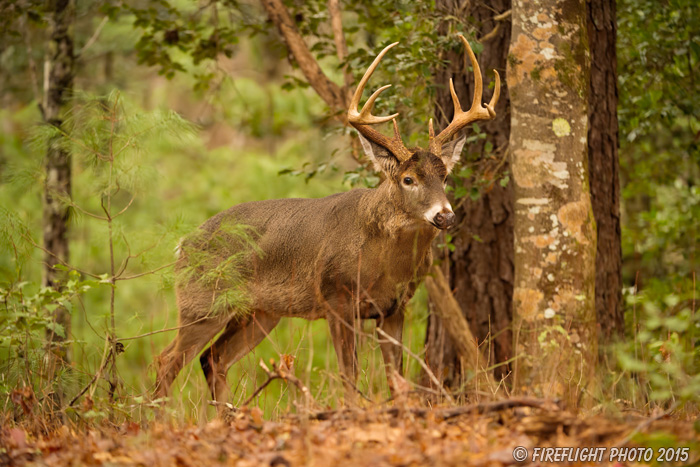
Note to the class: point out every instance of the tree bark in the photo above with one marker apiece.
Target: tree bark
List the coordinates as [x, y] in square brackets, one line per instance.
[555, 236]
[57, 164]
[604, 165]
[481, 266]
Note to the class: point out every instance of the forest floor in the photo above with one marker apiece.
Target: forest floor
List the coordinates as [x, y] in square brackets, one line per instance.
[478, 435]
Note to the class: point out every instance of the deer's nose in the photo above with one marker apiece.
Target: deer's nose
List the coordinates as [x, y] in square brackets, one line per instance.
[444, 220]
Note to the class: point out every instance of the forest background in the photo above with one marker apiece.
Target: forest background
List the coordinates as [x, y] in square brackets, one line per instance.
[211, 114]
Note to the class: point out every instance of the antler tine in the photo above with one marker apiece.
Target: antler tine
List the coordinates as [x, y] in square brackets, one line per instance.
[455, 99]
[496, 94]
[365, 117]
[478, 83]
[477, 110]
[397, 135]
[362, 119]
[366, 112]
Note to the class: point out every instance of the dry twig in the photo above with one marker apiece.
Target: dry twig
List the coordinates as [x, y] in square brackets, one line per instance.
[277, 372]
[447, 413]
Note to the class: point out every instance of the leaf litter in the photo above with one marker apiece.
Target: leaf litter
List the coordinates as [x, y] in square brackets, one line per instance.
[398, 436]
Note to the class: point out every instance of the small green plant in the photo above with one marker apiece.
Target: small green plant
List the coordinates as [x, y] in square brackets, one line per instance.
[26, 318]
[219, 260]
[663, 353]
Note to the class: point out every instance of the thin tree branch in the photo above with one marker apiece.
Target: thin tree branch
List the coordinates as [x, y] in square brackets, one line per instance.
[492, 34]
[341, 46]
[103, 364]
[64, 263]
[133, 197]
[645, 424]
[152, 271]
[278, 373]
[445, 414]
[420, 361]
[177, 328]
[94, 37]
[324, 87]
[457, 327]
[87, 213]
[503, 16]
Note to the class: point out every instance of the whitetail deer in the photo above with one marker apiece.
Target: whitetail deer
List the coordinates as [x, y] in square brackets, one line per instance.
[358, 254]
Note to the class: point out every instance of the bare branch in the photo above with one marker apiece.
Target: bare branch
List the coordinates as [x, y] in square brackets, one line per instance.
[152, 271]
[94, 36]
[133, 197]
[445, 414]
[646, 423]
[341, 46]
[57, 258]
[279, 373]
[177, 328]
[87, 213]
[503, 16]
[492, 34]
[393, 341]
[105, 358]
[420, 361]
[324, 87]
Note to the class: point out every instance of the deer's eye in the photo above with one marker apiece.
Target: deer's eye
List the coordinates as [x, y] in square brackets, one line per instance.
[408, 181]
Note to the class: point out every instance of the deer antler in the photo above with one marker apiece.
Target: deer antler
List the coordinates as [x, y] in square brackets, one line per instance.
[362, 119]
[477, 111]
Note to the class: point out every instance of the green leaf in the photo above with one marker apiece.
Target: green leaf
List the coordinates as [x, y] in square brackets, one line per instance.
[56, 328]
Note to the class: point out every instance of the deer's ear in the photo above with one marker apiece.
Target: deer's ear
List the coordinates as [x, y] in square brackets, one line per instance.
[452, 151]
[383, 160]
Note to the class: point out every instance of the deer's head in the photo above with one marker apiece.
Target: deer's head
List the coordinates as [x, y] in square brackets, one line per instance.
[418, 177]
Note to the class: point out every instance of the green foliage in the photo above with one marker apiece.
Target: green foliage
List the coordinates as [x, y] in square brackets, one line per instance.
[173, 29]
[178, 37]
[26, 317]
[659, 116]
[662, 353]
[219, 259]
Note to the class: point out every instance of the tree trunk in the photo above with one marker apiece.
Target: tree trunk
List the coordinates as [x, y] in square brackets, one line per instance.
[481, 271]
[57, 164]
[604, 166]
[555, 237]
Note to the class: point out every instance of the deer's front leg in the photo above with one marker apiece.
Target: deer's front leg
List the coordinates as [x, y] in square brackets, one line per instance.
[392, 352]
[342, 327]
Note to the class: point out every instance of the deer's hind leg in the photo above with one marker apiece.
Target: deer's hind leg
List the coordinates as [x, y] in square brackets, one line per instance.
[238, 339]
[197, 326]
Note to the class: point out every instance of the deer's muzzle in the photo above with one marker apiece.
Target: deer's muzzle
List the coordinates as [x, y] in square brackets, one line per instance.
[444, 220]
